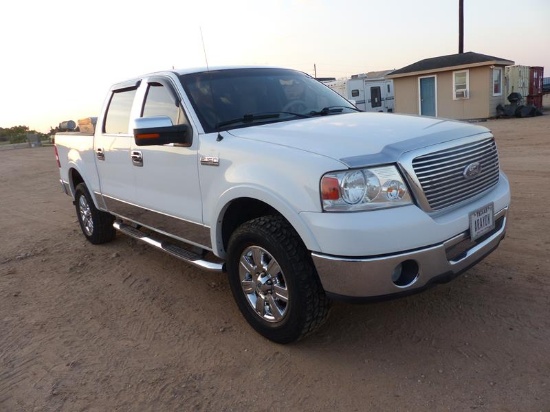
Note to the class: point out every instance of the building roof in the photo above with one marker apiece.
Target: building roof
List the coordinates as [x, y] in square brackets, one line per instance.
[451, 61]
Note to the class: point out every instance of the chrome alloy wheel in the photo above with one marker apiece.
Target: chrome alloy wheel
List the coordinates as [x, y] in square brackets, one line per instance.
[86, 215]
[263, 284]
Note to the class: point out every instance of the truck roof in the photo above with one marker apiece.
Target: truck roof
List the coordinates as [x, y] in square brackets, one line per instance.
[133, 81]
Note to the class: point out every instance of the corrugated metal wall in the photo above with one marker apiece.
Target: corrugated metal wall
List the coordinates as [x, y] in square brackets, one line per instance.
[516, 80]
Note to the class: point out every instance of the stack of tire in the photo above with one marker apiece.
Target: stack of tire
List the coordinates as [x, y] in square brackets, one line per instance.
[516, 109]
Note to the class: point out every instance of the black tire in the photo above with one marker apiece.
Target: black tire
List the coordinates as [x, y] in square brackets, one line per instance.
[96, 225]
[273, 280]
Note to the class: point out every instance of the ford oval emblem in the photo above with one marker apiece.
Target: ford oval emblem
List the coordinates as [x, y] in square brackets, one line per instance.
[472, 170]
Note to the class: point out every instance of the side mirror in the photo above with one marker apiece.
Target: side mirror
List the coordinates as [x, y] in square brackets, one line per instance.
[159, 130]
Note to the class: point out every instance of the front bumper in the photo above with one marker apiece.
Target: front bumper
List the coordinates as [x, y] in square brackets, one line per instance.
[405, 272]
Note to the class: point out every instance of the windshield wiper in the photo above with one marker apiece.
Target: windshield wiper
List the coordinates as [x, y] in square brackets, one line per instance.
[250, 118]
[332, 109]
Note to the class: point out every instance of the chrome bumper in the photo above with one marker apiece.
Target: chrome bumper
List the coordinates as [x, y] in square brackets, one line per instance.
[407, 272]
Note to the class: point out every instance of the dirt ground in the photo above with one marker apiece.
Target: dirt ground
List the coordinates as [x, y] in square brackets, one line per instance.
[123, 327]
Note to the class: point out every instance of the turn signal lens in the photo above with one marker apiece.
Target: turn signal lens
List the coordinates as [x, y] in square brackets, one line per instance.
[330, 189]
[148, 136]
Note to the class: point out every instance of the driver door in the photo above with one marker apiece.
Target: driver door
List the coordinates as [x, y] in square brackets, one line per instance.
[166, 176]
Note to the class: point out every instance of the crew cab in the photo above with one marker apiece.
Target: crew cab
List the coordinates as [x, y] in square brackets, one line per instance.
[269, 175]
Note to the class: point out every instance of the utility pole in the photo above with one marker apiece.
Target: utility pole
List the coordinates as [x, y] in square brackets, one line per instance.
[315, 70]
[460, 26]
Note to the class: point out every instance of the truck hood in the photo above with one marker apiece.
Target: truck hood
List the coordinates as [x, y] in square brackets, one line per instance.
[359, 139]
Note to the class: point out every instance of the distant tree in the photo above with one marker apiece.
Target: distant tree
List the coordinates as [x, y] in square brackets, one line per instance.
[18, 134]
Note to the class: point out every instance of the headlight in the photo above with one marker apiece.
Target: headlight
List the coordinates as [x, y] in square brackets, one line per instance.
[364, 189]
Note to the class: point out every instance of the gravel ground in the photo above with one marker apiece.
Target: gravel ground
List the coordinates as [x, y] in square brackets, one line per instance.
[124, 327]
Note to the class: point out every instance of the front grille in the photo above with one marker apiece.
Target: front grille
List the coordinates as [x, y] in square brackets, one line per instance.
[441, 173]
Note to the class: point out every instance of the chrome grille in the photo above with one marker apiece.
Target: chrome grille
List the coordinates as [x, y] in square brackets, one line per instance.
[441, 173]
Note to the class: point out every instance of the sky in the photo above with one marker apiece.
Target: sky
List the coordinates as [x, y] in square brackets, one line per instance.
[59, 57]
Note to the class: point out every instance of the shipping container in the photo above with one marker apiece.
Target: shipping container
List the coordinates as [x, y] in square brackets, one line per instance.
[516, 80]
[536, 76]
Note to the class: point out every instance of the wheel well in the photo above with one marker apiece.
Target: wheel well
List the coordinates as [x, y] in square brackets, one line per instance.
[75, 179]
[240, 211]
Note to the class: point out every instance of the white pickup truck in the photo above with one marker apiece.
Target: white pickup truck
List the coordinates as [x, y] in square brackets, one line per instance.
[271, 176]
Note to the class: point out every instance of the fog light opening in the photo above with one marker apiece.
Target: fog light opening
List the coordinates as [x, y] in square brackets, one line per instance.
[405, 274]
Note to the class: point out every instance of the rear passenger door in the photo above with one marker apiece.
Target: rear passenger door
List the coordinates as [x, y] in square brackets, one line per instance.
[112, 145]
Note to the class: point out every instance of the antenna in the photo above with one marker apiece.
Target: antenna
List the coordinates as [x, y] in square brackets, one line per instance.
[204, 49]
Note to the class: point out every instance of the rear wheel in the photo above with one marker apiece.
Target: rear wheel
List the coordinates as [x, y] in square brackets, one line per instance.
[274, 281]
[96, 225]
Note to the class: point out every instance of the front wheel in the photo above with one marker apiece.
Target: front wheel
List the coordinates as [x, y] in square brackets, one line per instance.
[274, 281]
[96, 225]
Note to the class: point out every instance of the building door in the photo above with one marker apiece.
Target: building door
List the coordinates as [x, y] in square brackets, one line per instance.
[375, 96]
[427, 96]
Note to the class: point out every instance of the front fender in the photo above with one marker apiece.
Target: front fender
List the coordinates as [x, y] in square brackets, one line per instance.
[285, 178]
[266, 196]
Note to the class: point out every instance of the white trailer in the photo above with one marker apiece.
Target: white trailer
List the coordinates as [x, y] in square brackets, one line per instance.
[338, 85]
[370, 92]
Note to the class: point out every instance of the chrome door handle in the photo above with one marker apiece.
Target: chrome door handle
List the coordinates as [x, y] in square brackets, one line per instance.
[137, 158]
[100, 153]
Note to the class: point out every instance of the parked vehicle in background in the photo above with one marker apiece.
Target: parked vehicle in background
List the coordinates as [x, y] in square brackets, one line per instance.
[269, 175]
[370, 92]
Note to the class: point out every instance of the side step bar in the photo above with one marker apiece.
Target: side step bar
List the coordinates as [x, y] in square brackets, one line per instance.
[181, 253]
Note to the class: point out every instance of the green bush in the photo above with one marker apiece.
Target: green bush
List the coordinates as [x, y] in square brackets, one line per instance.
[18, 138]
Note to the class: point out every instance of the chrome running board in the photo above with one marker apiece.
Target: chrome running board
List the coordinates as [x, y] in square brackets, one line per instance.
[170, 248]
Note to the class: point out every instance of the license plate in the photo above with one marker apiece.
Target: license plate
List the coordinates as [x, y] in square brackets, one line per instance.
[482, 221]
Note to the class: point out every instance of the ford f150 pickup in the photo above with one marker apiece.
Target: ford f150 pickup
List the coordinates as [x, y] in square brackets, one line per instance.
[271, 176]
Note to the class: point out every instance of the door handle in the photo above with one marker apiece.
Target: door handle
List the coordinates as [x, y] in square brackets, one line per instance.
[100, 153]
[137, 158]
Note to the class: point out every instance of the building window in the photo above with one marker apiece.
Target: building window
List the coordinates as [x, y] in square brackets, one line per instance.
[497, 81]
[461, 85]
[355, 93]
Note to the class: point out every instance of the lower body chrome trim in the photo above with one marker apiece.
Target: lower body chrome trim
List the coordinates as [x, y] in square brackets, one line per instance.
[177, 228]
[174, 250]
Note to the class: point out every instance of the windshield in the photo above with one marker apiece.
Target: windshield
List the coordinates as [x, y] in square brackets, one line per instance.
[230, 98]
